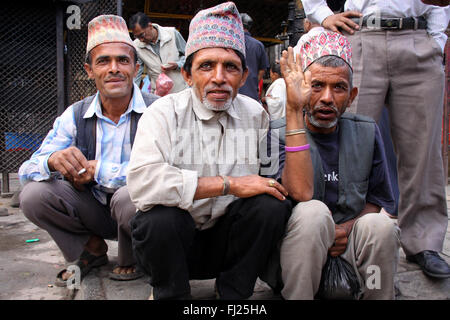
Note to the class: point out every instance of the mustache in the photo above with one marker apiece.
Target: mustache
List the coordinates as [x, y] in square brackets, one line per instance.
[213, 87]
[317, 107]
[115, 77]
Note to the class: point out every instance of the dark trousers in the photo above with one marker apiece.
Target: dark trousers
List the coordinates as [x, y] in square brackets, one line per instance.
[235, 250]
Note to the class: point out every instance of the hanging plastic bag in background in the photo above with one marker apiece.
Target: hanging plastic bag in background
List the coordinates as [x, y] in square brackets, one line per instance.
[339, 281]
[163, 85]
[146, 85]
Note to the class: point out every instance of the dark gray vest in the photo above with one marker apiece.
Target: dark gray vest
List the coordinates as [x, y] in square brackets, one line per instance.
[86, 128]
[356, 145]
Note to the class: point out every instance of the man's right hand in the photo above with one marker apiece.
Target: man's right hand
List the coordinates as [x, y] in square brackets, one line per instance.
[298, 84]
[249, 186]
[69, 162]
[342, 21]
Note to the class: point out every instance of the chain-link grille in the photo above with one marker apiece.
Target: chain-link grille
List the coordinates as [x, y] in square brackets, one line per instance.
[78, 84]
[28, 83]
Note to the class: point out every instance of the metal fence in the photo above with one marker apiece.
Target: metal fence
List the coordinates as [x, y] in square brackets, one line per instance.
[30, 94]
[28, 82]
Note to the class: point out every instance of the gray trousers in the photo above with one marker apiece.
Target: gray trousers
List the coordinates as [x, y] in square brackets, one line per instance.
[403, 70]
[71, 217]
[373, 241]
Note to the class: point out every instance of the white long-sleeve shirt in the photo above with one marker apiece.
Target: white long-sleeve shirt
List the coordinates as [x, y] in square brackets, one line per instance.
[276, 99]
[180, 140]
[437, 17]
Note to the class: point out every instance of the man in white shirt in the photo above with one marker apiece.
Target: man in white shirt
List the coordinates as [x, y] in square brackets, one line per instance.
[275, 98]
[397, 60]
[203, 210]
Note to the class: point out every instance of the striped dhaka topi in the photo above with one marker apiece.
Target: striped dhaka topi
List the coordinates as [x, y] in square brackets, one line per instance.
[216, 27]
[107, 29]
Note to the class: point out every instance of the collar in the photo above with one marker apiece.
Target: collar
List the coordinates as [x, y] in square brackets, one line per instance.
[205, 114]
[137, 104]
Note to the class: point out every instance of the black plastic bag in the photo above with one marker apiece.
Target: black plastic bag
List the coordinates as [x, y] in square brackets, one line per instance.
[339, 281]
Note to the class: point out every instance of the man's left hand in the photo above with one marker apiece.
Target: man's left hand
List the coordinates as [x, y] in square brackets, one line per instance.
[340, 242]
[87, 176]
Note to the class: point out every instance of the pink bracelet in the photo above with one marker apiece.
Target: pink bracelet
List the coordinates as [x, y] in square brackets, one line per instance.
[295, 149]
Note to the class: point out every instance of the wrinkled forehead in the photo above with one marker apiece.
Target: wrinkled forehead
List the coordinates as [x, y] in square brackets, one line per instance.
[217, 54]
[330, 73]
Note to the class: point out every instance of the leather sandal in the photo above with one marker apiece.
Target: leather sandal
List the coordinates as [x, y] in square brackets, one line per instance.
[92, 262]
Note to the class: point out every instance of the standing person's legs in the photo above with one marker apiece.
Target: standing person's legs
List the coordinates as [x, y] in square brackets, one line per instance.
[122, 211]
[415, 105]
[71, 217]
[370, 72]
[372, 249]
[309, 235]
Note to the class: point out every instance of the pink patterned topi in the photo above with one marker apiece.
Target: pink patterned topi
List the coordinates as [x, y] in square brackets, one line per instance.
[216, 27]
[325, 43]
[107, 29]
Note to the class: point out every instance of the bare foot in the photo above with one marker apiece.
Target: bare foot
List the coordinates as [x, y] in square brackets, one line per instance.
[124, 270]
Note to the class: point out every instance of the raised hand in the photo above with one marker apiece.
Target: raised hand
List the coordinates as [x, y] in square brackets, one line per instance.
[298, 84]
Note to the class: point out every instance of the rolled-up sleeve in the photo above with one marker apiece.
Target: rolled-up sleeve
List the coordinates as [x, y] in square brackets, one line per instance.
[151, 178]
[316, 10]
[60, 137]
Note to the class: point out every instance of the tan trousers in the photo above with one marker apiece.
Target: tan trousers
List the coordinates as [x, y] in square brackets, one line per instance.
[373, 243]
[403, 70]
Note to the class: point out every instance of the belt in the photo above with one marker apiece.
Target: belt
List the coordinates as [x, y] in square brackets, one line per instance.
[411, 23]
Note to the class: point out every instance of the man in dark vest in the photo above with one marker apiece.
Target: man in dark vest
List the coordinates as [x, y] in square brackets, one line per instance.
[351, 182]
[75, 184]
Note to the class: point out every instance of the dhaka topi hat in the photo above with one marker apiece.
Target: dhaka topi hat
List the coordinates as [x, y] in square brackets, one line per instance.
[107, 29]
[325, 43]
[216, 27]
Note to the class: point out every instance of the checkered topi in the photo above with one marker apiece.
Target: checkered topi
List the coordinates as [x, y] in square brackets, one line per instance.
[107, 29]
[216, 27]
[325, 43]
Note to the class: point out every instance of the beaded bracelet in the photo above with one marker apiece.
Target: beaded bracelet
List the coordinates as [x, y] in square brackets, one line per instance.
[295, 149]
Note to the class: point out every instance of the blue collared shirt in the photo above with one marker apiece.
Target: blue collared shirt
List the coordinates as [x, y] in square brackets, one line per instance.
[113, 146]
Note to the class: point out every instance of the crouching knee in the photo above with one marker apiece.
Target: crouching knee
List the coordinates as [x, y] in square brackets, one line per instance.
[268, 210]
[32, 198]
[314, 213]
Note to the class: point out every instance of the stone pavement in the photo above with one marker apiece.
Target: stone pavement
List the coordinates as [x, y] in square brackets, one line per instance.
[28, 270]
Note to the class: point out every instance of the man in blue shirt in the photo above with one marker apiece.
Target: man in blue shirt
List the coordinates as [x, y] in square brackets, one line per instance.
[256, 59]
[90, 146]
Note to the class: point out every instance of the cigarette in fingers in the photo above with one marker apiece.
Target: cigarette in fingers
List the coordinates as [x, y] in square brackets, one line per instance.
[81, 171]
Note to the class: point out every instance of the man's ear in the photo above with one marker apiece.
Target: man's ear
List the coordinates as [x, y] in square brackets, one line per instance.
[187, 77]
[244, 77]
[88, 69]
[353, 94]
